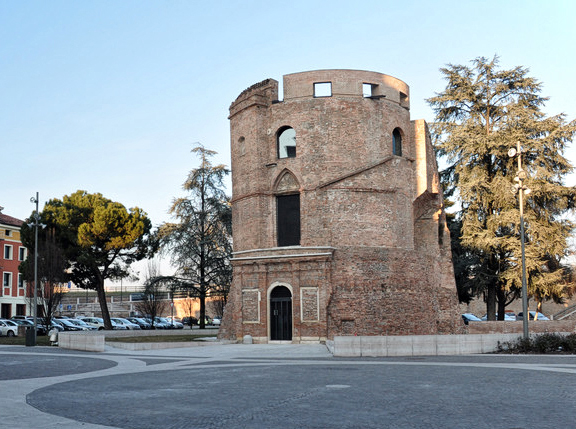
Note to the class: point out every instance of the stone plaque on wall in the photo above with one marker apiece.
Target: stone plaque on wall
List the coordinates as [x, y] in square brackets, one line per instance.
[310, 305]
[250, 305]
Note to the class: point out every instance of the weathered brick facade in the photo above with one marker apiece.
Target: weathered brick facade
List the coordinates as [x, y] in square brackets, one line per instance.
[374, 253]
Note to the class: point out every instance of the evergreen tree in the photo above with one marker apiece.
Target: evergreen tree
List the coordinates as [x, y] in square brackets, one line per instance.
[482, 113]
[200, 242]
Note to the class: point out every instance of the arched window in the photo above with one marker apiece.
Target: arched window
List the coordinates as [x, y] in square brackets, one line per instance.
[397, 142]
[286, 142]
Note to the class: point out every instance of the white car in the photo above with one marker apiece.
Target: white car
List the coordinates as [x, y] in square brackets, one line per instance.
[8, 328]
[82, 324]
[98, 322]
[216, 321]
[123, 322]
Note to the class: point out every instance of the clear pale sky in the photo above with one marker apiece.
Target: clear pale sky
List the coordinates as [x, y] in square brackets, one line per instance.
[109, 96]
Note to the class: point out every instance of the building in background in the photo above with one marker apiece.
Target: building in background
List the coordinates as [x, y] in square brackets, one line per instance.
[13, 291]
[338, 219]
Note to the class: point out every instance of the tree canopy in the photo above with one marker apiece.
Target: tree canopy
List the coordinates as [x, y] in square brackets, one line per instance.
[99, 239]
[200, 243]
[482, 113]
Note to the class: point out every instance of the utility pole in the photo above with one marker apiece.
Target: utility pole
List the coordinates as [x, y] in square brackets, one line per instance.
[522, 191]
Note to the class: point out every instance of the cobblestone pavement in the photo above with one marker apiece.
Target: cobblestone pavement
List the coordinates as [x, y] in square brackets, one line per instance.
[280, 386]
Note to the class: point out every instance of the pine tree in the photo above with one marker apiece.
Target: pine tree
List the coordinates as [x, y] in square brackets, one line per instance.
[482, 113]
[200, 242]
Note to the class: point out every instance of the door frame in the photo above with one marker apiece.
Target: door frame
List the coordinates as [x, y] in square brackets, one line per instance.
[269, 307]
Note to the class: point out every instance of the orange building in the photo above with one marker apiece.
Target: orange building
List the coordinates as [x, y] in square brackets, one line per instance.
[13, 291]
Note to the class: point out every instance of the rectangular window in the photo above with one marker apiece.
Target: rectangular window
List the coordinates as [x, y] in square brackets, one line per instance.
[8, 233]
[323, 89]
[367, 90]
[288, 218]
[21, 309]
[21, 282]
[7, 280]
[7, 251]
[22, 253]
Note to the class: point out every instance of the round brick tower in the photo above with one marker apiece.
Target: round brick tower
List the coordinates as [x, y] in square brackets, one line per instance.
[337, 213]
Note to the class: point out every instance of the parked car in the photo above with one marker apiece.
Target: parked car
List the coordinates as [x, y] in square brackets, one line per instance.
[99, 323]
[29, 324]
[189, 321]
[69, 326]
[56, 324]
[161, 323]
[47, 326]
[124, 322]
[469, 317]
[53, 324]
[83, 324]
[157, 323]
[508, 317]
[20, 317]
[140, 322]
[532, 315]
[207, 321]
[8, 328]
[175, 323]
[216, 321]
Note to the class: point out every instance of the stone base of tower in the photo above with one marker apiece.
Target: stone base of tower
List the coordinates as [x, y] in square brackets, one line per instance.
[344, 291]
[391, 292]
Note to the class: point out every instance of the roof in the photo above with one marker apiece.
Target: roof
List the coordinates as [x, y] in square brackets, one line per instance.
[9, 220]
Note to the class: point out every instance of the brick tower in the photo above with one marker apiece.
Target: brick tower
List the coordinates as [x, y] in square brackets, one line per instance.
[338, 220]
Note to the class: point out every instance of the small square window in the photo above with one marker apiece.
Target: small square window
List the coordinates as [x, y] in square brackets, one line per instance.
[8, 233]
[367, 89]
[323, 89]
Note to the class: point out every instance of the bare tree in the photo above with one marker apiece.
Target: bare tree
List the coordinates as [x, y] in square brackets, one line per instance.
[154, 297]
[188, 304]
[51, 275]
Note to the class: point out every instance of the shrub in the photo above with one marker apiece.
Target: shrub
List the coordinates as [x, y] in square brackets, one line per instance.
[548, 343]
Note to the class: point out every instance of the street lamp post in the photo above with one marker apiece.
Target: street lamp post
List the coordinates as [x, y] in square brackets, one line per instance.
[522, 190]
[35, 302]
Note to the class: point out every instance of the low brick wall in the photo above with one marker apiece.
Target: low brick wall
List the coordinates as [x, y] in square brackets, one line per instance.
[516, 327]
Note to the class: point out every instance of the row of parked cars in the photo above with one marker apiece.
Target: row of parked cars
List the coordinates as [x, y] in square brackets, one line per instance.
[9, 327]
[508, 317]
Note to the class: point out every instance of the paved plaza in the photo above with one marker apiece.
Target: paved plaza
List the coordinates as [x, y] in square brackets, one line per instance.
[280, 386]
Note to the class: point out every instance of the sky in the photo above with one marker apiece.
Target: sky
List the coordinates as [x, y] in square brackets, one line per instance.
[110, 96]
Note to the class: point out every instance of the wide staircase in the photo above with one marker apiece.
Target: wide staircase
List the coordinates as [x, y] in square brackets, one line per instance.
[89, 306]
[567, 313]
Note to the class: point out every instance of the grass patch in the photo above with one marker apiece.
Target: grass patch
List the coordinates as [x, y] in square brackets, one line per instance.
[41, 340]
[549, 343]
[156, 339]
